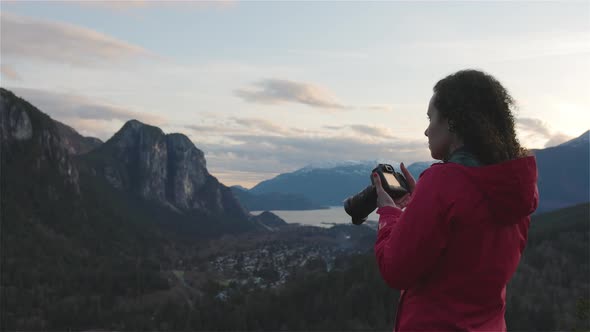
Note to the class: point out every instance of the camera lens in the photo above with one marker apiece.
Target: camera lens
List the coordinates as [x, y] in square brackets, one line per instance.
[361, 205]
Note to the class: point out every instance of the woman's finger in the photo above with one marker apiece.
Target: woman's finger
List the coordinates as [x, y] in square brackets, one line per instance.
[383, 198]
[377, 181]
[378, 184]
[409, 177]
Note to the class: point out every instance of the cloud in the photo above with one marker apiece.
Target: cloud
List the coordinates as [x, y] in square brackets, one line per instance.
[374, 131]
[121, 5]
[261, 124]
[92, 117]
[63, 43]
[330, 54]
[535, 125]
[334, 127]
[539, 129]
[245, 179]
[557, 139]
[258, 148]
[266, 154]
[366, 130]
[276, 91]
[92, 127]
[205, 129]
[379, 108]
[8, 72]
[239, 126]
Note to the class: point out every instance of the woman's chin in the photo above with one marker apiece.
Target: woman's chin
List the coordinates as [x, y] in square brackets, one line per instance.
[435, 156]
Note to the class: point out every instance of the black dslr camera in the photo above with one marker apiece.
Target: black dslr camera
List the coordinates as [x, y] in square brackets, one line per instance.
[359, 206]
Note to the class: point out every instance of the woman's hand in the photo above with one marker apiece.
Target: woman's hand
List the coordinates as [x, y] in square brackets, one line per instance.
[403, 201]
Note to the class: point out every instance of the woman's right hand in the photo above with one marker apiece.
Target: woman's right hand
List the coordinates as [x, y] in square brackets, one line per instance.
[403, 201]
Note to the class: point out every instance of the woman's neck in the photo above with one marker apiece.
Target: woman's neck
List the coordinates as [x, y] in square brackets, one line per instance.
[452, 148]
[463, 156]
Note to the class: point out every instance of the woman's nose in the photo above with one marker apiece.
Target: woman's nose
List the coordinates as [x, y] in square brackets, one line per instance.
[426, 132]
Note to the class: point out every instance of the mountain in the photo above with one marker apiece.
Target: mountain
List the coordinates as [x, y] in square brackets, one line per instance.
[273, 201]
[55, 231]
[33, 147]
[581, 141]
[270, 220]
[84, 220]
[238, 187]
[163, 168]
[329, 185]
[144, 168]
[564, 174]
[89, 241]
[563, 177]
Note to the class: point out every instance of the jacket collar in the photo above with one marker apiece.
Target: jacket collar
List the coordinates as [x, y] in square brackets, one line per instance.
[464, 157]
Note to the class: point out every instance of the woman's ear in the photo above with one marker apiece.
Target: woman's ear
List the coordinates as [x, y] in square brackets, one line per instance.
[451, 125]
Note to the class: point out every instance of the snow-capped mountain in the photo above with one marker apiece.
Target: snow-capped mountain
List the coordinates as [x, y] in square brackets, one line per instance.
[330, 183]
[563, 177]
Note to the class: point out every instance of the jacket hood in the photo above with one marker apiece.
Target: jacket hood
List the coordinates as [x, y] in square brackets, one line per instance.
[510, 188]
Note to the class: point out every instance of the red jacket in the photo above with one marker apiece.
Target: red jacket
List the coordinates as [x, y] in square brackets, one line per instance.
[457, 244]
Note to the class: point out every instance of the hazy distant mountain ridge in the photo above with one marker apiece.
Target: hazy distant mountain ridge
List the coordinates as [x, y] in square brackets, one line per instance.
[329, 186]
[563, 177]
[581, 141]
[564, 174]
[273, 201]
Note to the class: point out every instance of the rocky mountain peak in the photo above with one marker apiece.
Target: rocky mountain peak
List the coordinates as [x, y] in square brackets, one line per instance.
[166, 168]
[135, 124]
[32, 138]
[135, 133]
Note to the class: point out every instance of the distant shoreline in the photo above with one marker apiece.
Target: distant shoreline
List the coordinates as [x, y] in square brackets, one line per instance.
[257, 212]
[334, 215]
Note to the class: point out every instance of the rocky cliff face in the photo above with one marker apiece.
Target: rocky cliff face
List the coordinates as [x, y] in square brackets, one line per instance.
[30, 139]
[16, 124]
[139, 160]
[167, 169]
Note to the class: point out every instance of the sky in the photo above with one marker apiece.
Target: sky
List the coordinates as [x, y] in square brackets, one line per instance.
[268, 87]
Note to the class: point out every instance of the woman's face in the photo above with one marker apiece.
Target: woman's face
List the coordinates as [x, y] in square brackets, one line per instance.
[439, 136]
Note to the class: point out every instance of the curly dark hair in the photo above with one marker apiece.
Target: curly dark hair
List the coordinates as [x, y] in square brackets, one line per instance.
[480, 111]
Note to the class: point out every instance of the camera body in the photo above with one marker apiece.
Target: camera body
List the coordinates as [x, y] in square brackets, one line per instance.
[393, 182]
[359, 206]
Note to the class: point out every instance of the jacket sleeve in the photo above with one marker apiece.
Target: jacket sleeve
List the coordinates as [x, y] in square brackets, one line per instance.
[410, 242]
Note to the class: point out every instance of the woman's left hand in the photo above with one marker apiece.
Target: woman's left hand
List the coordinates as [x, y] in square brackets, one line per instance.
[383, 198]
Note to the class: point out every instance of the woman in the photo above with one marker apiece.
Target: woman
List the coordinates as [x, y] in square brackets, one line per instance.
[453, 244]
